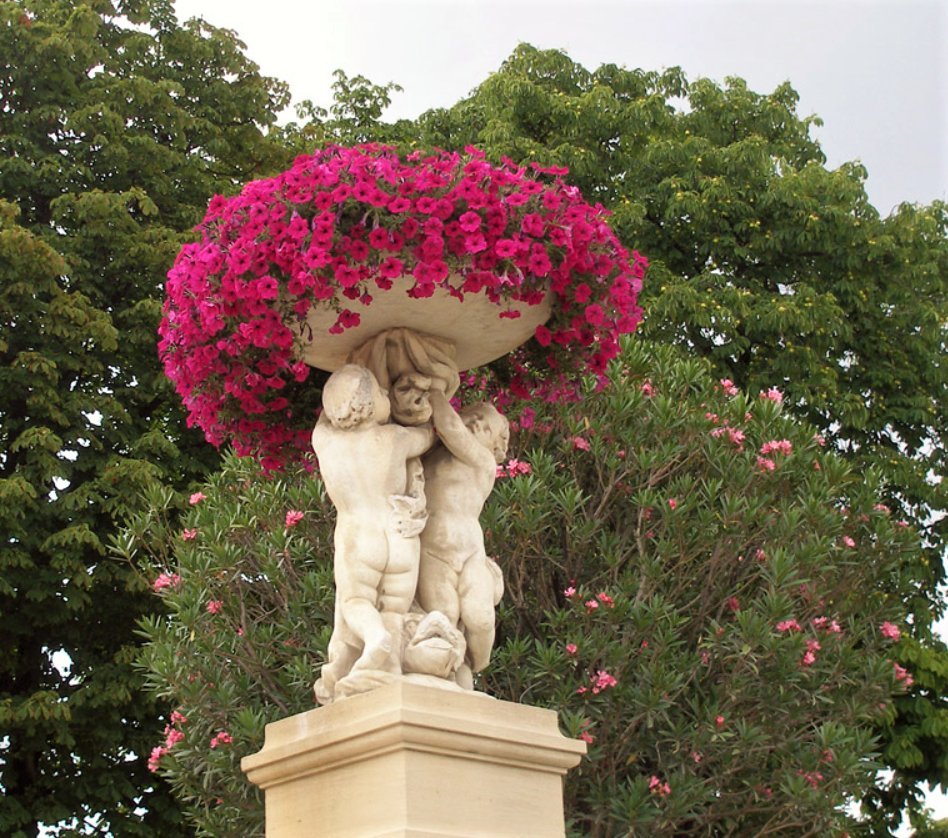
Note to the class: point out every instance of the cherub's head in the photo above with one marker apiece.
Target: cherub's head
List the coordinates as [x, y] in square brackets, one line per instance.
[352, 397]
[410, 405]
[490, 428]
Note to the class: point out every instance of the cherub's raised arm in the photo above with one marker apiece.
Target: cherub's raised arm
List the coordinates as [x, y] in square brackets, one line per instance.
[416, 440]
[455, 434]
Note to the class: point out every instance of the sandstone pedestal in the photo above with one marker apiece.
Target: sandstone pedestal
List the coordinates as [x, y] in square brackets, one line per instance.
[412, 760]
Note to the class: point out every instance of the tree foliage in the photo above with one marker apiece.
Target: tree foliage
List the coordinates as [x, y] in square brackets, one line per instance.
[773, 267]
[116, 126]
[707, 622]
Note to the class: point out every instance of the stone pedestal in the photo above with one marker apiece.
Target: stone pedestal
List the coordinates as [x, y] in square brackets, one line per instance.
[411, 760]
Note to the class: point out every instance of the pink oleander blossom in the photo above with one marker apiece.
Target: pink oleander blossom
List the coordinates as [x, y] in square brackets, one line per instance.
[602, 680]
[572, 649]
[658, 787]
[890, 631]
[166, 580]
[580, 443]
[214, 606]
[196, 498]
[293, 517]
[154, 758]
[729, 387]
[773, 394]
[848, 541]
[902, 675]
[570, 592]
[342, 228]
[189, 534]
[777, 446]
[788, 626]
[221, 738]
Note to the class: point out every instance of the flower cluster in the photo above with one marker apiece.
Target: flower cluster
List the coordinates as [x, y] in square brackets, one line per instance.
[173, 735]
[350, 224]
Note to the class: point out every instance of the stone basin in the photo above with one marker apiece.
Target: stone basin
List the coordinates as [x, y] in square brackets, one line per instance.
[474, 326]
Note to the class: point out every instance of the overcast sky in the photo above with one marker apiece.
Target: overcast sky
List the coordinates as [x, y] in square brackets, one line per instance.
[875, 72]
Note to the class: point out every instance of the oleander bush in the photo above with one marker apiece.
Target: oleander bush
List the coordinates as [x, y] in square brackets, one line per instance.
[703, 593]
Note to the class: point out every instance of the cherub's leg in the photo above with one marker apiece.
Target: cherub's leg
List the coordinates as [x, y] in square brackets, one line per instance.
[476, 592]
[357, 594]
[438, 587]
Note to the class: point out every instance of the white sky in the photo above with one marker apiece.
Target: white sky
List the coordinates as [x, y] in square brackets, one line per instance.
[876, 72]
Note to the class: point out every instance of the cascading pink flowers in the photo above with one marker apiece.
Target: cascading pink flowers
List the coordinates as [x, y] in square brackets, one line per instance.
[347, 224]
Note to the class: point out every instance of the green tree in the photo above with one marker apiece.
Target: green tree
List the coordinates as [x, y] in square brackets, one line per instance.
[737, 608]
[116, 126]
[776, 269]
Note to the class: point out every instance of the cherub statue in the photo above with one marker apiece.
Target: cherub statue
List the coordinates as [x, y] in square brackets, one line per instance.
[364, 462]
[456, 576]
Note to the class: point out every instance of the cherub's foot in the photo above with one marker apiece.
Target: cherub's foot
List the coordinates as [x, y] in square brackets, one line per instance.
[377, 652]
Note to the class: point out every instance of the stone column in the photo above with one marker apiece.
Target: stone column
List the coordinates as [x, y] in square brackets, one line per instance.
[413, 760]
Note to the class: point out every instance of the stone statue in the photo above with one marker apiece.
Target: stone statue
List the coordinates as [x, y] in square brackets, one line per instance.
[415, 589]
[363, 460]
[457, 577]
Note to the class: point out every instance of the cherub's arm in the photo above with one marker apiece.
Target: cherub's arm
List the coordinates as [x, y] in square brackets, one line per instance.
[415, 441]
[455, 435]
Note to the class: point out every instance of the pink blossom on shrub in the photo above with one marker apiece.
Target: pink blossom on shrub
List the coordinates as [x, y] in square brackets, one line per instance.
[890, 631]
[189, 534]
[848, 541]
[571, 649]
[166, 580]
[196, 498]
[788, 625]
[778, 446]
[902, 675]
[214, 606]
[580, 443]
[155, 758]
[657, 787]
[293, 517]
[602, 680]
[729, 387]
[773, 394]
[221, 738]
